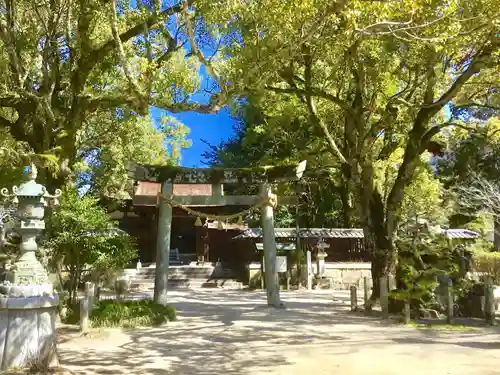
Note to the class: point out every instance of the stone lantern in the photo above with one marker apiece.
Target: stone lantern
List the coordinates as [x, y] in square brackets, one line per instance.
[28, 303]
[321, 246]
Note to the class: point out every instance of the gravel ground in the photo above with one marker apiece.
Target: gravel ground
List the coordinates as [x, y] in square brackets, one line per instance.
[233, 332]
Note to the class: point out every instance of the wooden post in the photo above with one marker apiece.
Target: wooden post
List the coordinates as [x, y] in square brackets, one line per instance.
[407, 312]
[489, 301]
[384, 297]
[84, 313]
[354, 297]
[449, 302]
[365, 289]
[163, 246]
[270, 272]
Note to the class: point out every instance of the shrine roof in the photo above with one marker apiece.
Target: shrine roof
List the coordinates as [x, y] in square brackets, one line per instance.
[256, 233]
[181, 175]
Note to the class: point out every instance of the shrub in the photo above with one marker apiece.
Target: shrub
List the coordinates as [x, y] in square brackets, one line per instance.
[83, 240]
[487, 262]
[146, 313]
[124, 314]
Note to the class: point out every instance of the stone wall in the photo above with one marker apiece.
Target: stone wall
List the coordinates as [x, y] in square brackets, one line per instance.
[343, 275]
[346, 274]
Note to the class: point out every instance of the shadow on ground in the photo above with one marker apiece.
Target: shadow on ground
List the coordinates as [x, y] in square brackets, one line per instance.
[234, 332]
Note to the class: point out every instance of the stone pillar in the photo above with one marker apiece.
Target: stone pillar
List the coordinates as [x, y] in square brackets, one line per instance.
[309, 270]
[163, 246]
[270, 270]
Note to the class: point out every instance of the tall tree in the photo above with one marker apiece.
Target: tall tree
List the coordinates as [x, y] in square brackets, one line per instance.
[387, 69]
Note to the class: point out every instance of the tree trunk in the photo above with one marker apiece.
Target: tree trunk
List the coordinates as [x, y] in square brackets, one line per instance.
[379, 243]
[346, 196]
[347, 208]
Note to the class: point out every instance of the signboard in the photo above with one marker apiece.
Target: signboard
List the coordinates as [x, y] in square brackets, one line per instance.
[281, 265]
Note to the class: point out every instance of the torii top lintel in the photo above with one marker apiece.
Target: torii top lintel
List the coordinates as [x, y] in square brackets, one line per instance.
[181, 175]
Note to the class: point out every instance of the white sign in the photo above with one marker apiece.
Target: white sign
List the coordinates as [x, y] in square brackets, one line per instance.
[281, 265]
[309, 263]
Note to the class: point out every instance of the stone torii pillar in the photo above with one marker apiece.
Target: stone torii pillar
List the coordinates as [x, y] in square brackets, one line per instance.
[270, 270]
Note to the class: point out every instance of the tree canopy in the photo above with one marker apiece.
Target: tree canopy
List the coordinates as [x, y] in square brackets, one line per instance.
[375, 78]
[79, 77]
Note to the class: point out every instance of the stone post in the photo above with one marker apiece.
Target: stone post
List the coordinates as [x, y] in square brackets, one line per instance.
[28, 303]
[354, 297]
[365, 289]
[407, 312]
[384, 297]
[84, 313]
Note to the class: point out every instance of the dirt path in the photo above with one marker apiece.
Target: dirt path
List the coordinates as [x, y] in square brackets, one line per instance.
[233, 332]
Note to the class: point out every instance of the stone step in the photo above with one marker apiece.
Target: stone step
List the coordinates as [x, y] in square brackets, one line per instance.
[188, 273]
[187, 283]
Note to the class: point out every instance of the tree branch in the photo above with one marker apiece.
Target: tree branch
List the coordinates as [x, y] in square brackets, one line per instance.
[478, 105]
[479, 61]
[427, 137]
[90, 60]
[311, 106]
[196, 51]
[4, 123]
[480, 193]
[114, 101]
[171, 46]
[121, 53]
[314, 92]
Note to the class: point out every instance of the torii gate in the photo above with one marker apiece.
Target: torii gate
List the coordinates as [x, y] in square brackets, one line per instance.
[217, 177]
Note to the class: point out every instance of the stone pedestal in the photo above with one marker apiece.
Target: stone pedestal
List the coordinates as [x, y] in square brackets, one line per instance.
[27, 326]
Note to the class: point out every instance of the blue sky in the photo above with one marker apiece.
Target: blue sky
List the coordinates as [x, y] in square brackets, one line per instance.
[213, 128]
